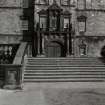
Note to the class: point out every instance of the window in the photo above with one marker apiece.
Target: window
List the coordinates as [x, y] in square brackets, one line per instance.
[53, 23]
[80, 4]
[91, 4]
[66, 23]
[42, 22]
[81, 23]
[98, 4]
[65, 2]
[81, 27]
[43, 2]
[88, 4]
[25, 3]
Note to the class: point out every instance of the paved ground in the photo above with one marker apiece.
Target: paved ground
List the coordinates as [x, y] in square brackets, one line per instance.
[55, 94]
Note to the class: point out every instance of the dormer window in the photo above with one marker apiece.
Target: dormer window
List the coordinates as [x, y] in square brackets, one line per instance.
[65, 2]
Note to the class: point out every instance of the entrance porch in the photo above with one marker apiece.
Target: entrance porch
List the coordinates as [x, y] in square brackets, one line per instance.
[52, 45]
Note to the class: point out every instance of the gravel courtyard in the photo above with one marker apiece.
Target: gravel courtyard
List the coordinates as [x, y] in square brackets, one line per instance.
[55, 94]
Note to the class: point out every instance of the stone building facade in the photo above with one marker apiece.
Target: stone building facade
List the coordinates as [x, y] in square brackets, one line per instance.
[54, 28]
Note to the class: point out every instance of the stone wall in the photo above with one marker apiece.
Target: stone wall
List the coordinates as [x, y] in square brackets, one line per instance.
[95, 19]
[93, 46]
[95, 27]
[95, 24]
[65, 8]
[90, 4]
[10, 23]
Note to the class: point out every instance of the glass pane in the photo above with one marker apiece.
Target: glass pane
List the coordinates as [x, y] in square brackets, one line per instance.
[88, 4]
[41, 1]
[66, 22]
[25, 3]
[43, 22]
[65, 2]
[98, 4]
[53, 23]
[81, 26]
[81, 4]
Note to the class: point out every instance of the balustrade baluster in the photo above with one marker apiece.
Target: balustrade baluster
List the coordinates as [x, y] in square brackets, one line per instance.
[10, 50]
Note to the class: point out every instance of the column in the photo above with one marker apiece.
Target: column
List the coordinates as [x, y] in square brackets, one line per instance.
[68, 46]
[72, 42]
[38, 44]
[43, 48]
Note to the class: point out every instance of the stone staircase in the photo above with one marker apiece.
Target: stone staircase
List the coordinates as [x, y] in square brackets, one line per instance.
[64, 70]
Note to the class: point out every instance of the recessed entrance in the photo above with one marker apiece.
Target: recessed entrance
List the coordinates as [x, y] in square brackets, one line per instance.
[54, 49]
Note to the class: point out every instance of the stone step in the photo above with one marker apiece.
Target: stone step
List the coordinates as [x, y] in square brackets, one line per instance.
[65, 76]
[61, 58]
[67, 63]
[60, 61]
[64, 69]
[61, 67]
[65, 80]
[65, 73]
[71, 60]
[35, 62]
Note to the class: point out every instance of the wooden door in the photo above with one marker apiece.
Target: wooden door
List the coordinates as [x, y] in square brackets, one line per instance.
[53, 50]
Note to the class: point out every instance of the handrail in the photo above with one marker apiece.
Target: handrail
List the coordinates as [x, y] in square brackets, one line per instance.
[18, 60]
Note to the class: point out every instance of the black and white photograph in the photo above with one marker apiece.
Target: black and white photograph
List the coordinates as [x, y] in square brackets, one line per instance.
[52, 52]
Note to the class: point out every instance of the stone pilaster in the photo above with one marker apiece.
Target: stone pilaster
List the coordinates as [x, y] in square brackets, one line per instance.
[68, 46]
[38, 54]
[43, 48]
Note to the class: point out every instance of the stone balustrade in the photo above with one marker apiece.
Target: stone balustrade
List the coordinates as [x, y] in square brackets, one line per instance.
[7, 53]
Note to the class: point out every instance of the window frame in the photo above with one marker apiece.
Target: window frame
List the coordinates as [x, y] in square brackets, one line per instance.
[40, 25]
[39, 3]
[24, 25]
[83, 6]
[25, 4]
[51, 26]
[66, 17]
[90, 5]
[62, 3]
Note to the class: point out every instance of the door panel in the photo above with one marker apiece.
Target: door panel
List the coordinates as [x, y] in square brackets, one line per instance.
[53, 50]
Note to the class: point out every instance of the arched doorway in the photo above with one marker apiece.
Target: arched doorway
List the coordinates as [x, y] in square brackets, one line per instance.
[54, 49]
